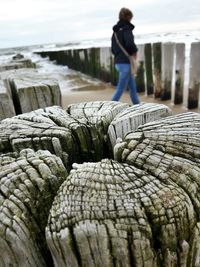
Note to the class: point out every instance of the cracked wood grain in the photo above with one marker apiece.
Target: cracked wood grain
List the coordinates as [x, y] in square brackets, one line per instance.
[28, 183]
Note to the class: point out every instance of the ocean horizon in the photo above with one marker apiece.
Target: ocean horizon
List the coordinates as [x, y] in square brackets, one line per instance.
[70, 79]
[182, 36]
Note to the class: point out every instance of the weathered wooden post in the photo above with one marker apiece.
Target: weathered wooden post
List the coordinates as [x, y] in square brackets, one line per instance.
[82, 60]
[177, 97]
[148, 69]
[140, 70]
[113, 71]
[194, 82]
[77, 60]
[157, 66]
[95, 61]
[141, 209]
[87, 62]
[69, 58]
[60, 57]
[6, 102]
[167, 70]
[31, 91]
[53, 55]
[105, 62]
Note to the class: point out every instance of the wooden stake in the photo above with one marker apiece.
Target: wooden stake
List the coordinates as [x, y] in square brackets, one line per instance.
[194, 82]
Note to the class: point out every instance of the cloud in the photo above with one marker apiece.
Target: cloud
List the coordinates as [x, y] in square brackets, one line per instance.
[43, 21]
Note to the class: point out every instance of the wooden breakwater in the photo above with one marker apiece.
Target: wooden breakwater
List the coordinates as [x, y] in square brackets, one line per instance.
[161, 69]
[24, 89]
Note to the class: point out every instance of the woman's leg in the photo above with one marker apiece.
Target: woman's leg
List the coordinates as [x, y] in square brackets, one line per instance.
[124, 74]
[133, 90]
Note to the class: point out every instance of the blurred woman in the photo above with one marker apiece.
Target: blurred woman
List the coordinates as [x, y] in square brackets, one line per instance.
[123, 47]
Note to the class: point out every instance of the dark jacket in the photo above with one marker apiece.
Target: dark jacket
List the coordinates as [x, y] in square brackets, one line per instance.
[126, 38]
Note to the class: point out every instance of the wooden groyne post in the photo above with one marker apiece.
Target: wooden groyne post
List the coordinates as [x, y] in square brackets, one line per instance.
[167, 70]
[194, 81]
[161, 69]
[157, 68]
[140, 75]
[177, 97]
[148, 69]
[6, 102]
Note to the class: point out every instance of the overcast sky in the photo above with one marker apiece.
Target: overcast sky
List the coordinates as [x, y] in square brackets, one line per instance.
[26, 22]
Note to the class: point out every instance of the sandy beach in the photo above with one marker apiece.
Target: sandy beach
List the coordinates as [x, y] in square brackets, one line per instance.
[103, 92]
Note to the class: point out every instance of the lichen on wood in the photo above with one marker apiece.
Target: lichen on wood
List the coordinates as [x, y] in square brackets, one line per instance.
[131, 118]
[141, 209]
[98, 115]
[113, 214]
[77, 136]
[28, 184]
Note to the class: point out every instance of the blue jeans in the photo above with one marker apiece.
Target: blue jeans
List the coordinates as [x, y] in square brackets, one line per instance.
[126, 79]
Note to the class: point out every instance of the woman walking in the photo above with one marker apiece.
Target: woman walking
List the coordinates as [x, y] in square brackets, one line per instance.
[123, 47]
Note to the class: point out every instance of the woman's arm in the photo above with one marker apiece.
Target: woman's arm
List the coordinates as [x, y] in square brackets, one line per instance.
[130, 45]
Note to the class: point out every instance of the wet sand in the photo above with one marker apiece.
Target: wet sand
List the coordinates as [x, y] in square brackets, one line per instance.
[104, 92]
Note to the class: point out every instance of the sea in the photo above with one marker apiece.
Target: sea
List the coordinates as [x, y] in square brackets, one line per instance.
[73, 80]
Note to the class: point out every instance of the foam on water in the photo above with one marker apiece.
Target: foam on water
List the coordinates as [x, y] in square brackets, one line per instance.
[68, 78]
[185, 36]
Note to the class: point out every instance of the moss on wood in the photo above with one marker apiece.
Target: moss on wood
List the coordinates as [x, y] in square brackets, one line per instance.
[157, 61]
[140, 77]
[178, 99]
[148, 68]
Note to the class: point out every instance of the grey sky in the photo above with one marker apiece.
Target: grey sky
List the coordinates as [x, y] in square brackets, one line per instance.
[26, 22]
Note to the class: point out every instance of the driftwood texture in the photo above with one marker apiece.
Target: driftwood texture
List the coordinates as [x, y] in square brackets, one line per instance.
[97, 116]
[131, 118]
[140, 209]
[31, 90]
[27, 90]
[169, 150]
[70, 137]
[6, 103]
[28, 184]
[40, 129]
[113, 214]
[144, 213]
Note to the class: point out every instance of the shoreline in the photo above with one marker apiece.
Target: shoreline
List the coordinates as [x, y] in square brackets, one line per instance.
[105, 94]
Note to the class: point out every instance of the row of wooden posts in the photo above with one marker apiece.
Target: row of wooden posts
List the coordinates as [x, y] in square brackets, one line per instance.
[161, 69]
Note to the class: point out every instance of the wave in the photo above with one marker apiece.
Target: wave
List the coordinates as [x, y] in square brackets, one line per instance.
[165, 36]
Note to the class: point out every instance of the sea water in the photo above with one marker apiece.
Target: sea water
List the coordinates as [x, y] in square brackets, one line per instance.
[73, 80]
